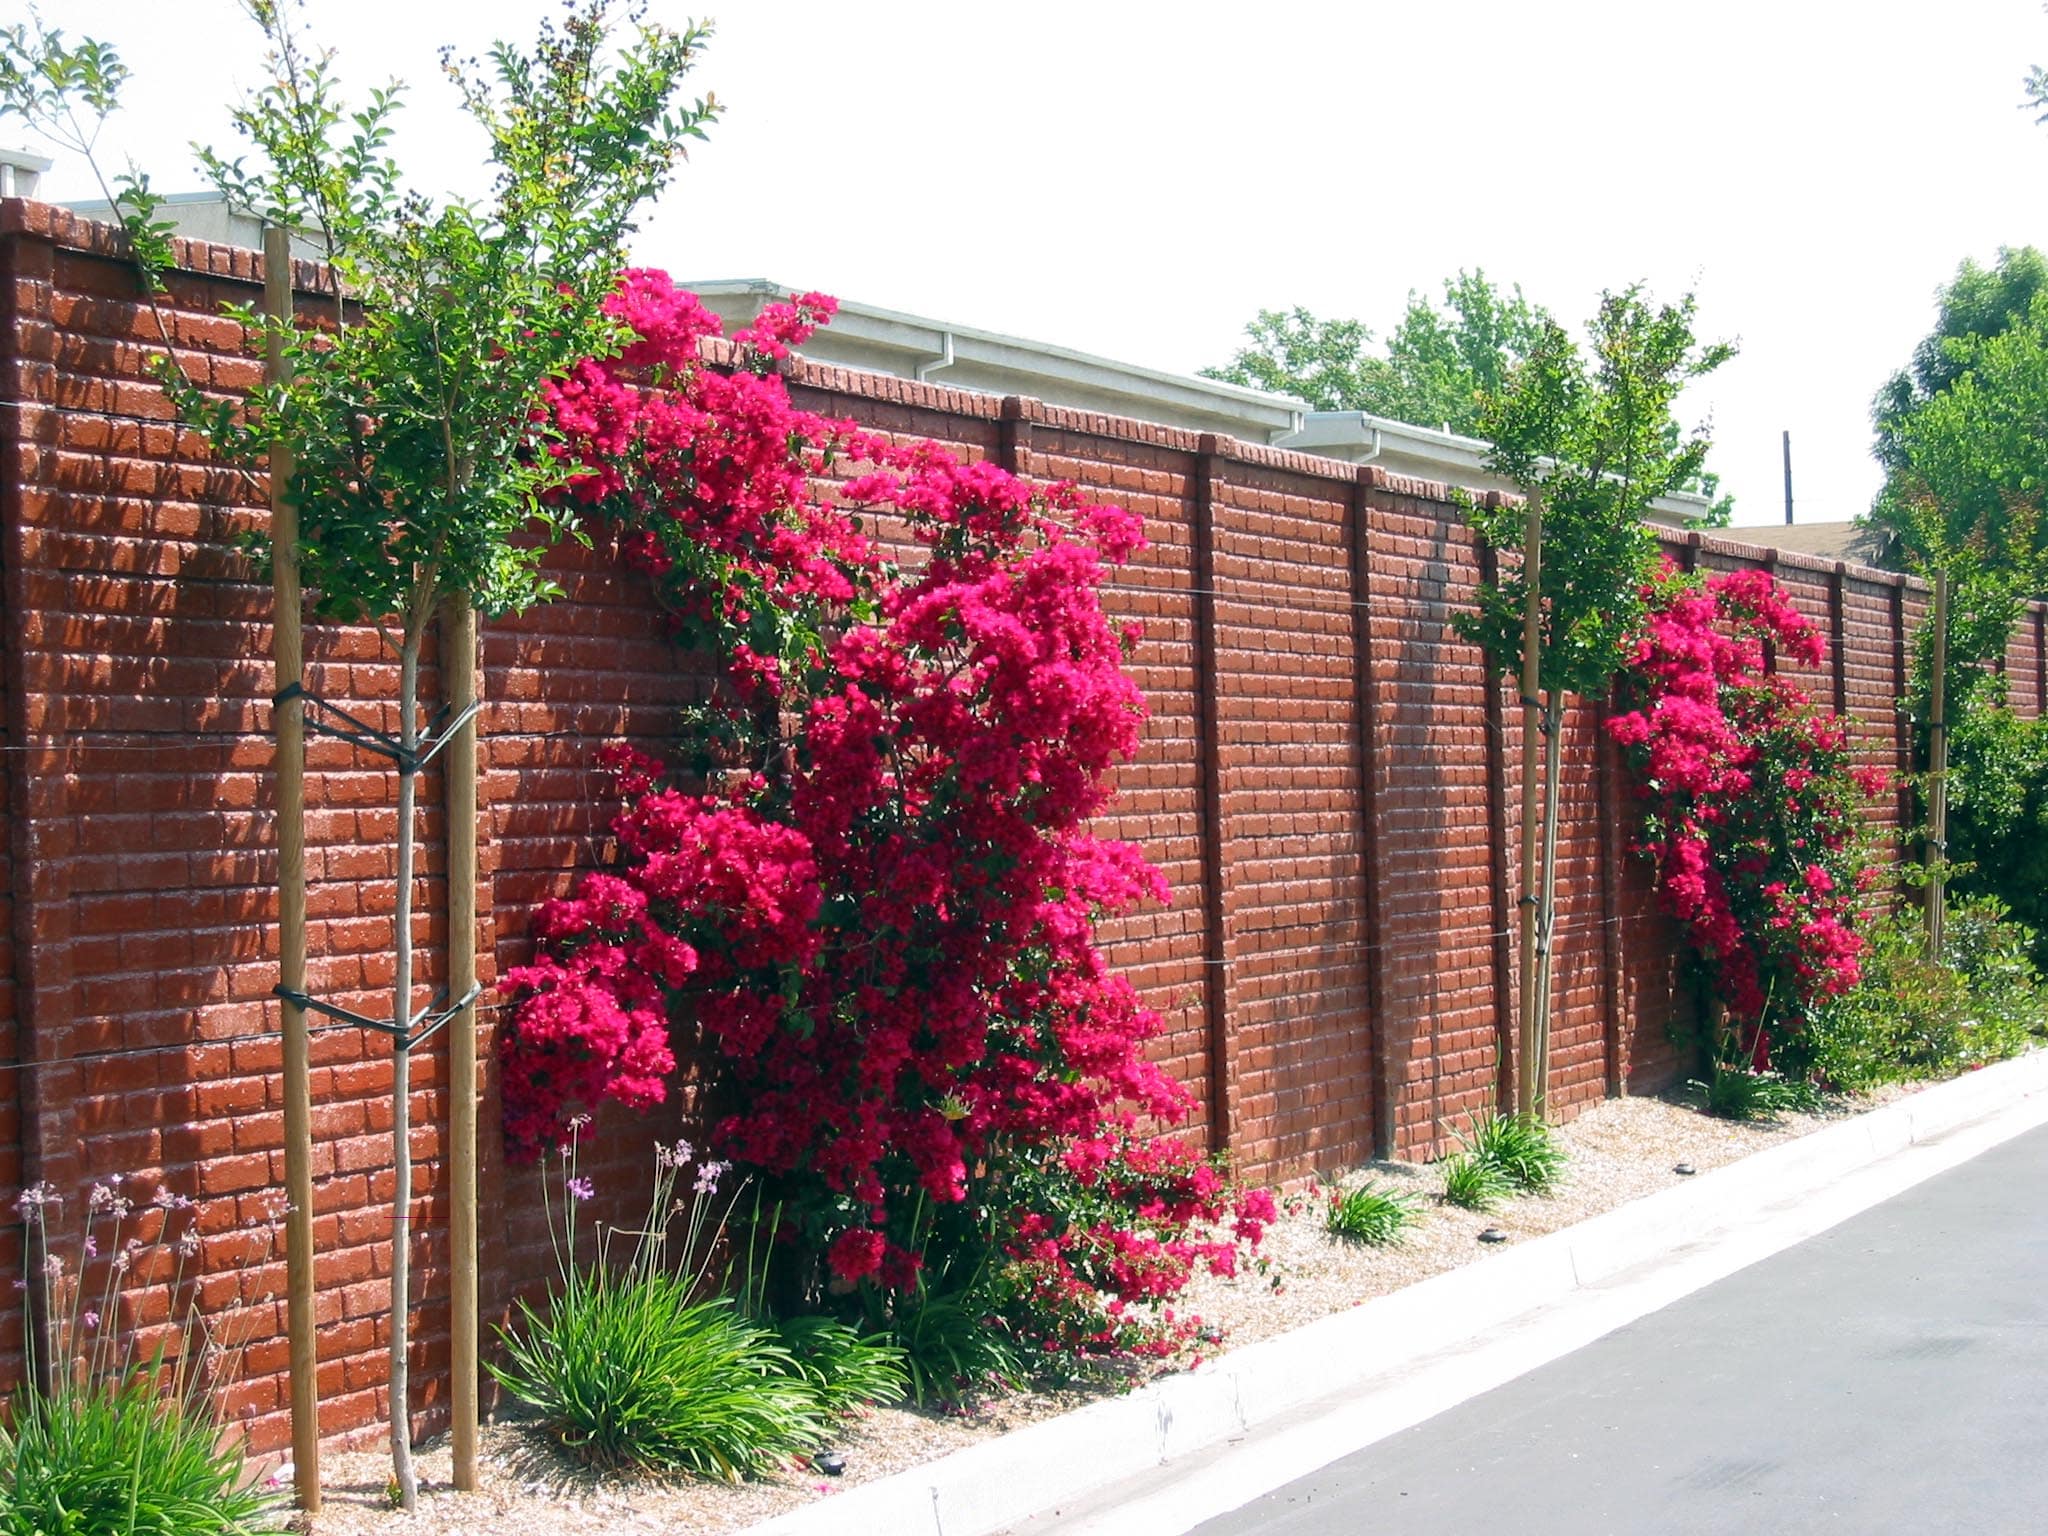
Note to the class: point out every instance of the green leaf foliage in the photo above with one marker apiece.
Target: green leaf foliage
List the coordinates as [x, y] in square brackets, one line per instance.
[1293, 352]
[1439, 362]
[1911, 1017]
[1998, 811]
[1592, 436]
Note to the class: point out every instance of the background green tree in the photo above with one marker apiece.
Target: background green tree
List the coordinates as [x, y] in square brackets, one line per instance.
[1962, 433]
[1441, 363]
[1437, 364]
[1964, 427]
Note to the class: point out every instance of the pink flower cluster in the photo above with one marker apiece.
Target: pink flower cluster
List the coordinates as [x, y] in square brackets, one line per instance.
[881, 928]
[1132, 1221]
[1752, 802]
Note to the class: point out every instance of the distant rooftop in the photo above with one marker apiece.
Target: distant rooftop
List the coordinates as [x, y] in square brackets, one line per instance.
[1848, 540]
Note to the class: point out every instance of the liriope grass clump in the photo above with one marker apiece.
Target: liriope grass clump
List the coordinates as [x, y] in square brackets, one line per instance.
[1501, 1156]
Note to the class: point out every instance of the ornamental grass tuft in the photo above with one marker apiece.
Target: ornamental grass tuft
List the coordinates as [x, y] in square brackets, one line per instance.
[124, 1458]
[1502, 1155]
[1369, 1214]
[629, 1369]
[1523, 1150]
[1473, 1183]
[1736, 1093]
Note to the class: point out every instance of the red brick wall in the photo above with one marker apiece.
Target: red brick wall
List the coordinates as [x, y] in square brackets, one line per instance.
[1329, 779]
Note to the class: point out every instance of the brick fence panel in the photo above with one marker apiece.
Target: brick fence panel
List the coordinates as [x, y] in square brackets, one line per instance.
[1328, 778]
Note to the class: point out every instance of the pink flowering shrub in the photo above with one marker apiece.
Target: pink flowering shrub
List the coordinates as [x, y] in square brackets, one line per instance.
[1751, 804]
[876, 932]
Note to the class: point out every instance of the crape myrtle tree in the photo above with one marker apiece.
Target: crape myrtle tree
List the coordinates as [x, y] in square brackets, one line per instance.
[409, 404]
[1590, 440]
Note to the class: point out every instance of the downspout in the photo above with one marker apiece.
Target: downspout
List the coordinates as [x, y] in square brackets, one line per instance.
[944, 360]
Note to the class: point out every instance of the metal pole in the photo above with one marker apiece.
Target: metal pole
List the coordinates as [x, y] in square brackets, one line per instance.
[459, 777]
[1528, 1080]
[1788, 479]
[289, 721]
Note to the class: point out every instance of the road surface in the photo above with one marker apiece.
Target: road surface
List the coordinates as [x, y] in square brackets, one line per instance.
[1889, 1375]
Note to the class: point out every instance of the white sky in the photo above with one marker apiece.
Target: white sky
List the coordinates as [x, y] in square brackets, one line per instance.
[1137, 179]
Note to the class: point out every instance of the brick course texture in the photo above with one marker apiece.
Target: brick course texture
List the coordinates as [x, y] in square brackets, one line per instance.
[1328, 779]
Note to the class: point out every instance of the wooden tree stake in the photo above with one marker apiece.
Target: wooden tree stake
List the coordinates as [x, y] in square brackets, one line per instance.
[459, 779]
[289, 721]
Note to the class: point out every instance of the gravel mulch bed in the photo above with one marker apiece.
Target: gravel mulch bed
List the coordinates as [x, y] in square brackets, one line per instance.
[1617, 1151]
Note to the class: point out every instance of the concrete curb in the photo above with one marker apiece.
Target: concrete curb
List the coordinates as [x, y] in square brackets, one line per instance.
[988, 1487]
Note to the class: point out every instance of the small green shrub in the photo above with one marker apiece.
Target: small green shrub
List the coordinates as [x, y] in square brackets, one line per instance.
[1994, 954]
[1910, 1017]
[1369, 1214]
[1472, 1182]
[1522, 1150]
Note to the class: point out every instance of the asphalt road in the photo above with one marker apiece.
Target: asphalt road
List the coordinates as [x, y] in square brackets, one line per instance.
[1890, 1375]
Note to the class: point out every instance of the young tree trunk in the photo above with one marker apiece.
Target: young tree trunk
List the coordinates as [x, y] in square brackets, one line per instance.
[1546, 899]
[401, 1084]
